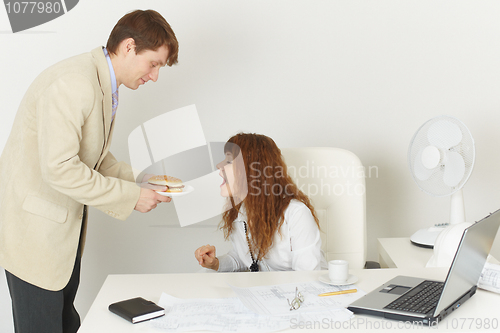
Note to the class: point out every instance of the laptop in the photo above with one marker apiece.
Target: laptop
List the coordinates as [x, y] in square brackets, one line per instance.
[414, 299]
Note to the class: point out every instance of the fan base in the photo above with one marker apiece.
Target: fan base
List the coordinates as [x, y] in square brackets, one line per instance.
[426, 237]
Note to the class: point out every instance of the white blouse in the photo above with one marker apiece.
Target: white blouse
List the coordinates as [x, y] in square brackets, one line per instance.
[297, 246]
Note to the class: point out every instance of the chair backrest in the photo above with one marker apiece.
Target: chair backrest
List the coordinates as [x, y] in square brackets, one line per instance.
[334, 180]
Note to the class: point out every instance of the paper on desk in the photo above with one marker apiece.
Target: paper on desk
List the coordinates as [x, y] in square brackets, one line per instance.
[220, 314]
[273, 300]
[230, 315]
[490, 278]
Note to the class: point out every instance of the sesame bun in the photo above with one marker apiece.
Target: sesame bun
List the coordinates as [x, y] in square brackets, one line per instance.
[169, 181]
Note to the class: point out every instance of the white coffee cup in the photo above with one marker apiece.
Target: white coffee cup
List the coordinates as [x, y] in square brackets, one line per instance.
[338, 271]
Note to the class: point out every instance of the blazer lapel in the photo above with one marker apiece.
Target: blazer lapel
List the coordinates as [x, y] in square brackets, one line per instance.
[105, 82]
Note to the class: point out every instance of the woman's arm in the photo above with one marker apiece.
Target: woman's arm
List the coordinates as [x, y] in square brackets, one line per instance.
[229, 262]
[305, 240]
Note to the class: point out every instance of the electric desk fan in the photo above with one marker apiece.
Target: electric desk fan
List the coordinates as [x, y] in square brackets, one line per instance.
[441, 157]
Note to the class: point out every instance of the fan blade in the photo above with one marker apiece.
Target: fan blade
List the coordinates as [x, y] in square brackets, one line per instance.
[454, 169]
[431, 157]
[444, 134]
[421, 172]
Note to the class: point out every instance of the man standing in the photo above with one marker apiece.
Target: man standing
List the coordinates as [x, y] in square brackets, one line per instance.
[57, 161]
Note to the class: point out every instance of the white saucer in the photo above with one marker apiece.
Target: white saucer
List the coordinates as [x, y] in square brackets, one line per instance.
[350, 280]
[186, 190]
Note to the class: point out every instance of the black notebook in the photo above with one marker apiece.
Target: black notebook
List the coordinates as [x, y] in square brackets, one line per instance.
[137, 309]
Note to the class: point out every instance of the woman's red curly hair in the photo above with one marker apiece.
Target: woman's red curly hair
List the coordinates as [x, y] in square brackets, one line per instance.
[270, 190]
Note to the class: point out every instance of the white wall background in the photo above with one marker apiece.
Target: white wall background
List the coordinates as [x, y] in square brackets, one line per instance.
[359, 75]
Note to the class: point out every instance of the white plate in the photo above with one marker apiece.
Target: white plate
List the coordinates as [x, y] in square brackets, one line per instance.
[186, 190]
[350, 280]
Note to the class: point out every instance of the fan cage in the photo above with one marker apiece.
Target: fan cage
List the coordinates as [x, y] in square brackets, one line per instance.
[435, 185]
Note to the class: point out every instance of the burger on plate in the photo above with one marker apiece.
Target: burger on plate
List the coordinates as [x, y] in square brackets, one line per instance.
[173, 184]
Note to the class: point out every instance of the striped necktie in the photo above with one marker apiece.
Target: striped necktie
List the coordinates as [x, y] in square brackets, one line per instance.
[114, 105]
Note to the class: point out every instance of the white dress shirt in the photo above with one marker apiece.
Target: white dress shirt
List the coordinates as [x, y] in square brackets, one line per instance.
[296, 247]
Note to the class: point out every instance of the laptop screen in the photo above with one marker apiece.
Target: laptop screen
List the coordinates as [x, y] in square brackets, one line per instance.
[469, 260]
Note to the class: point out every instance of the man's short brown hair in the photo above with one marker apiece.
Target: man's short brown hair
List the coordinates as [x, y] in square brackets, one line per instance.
[148, 29]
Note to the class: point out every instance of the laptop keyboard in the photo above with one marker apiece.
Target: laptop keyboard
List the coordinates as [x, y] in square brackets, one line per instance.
[421, 299]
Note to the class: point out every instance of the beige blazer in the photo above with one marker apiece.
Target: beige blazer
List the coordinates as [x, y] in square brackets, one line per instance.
[56, 160]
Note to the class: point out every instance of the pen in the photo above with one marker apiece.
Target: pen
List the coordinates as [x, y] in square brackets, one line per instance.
[348, 291]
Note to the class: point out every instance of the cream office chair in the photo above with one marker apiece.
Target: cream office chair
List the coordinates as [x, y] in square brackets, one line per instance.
[334, 179]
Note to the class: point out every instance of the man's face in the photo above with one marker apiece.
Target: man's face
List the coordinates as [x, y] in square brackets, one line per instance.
[142, 67]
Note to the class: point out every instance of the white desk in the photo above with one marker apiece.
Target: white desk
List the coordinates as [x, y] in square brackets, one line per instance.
[484, 305]
[401, 253]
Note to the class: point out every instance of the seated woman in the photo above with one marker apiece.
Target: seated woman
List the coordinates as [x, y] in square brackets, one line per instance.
[269, 220]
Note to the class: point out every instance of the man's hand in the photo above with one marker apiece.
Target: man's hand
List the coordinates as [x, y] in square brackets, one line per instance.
[206, 257]
[149, 199]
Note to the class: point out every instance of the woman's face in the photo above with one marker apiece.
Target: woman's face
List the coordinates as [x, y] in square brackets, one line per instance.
[226, 167]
